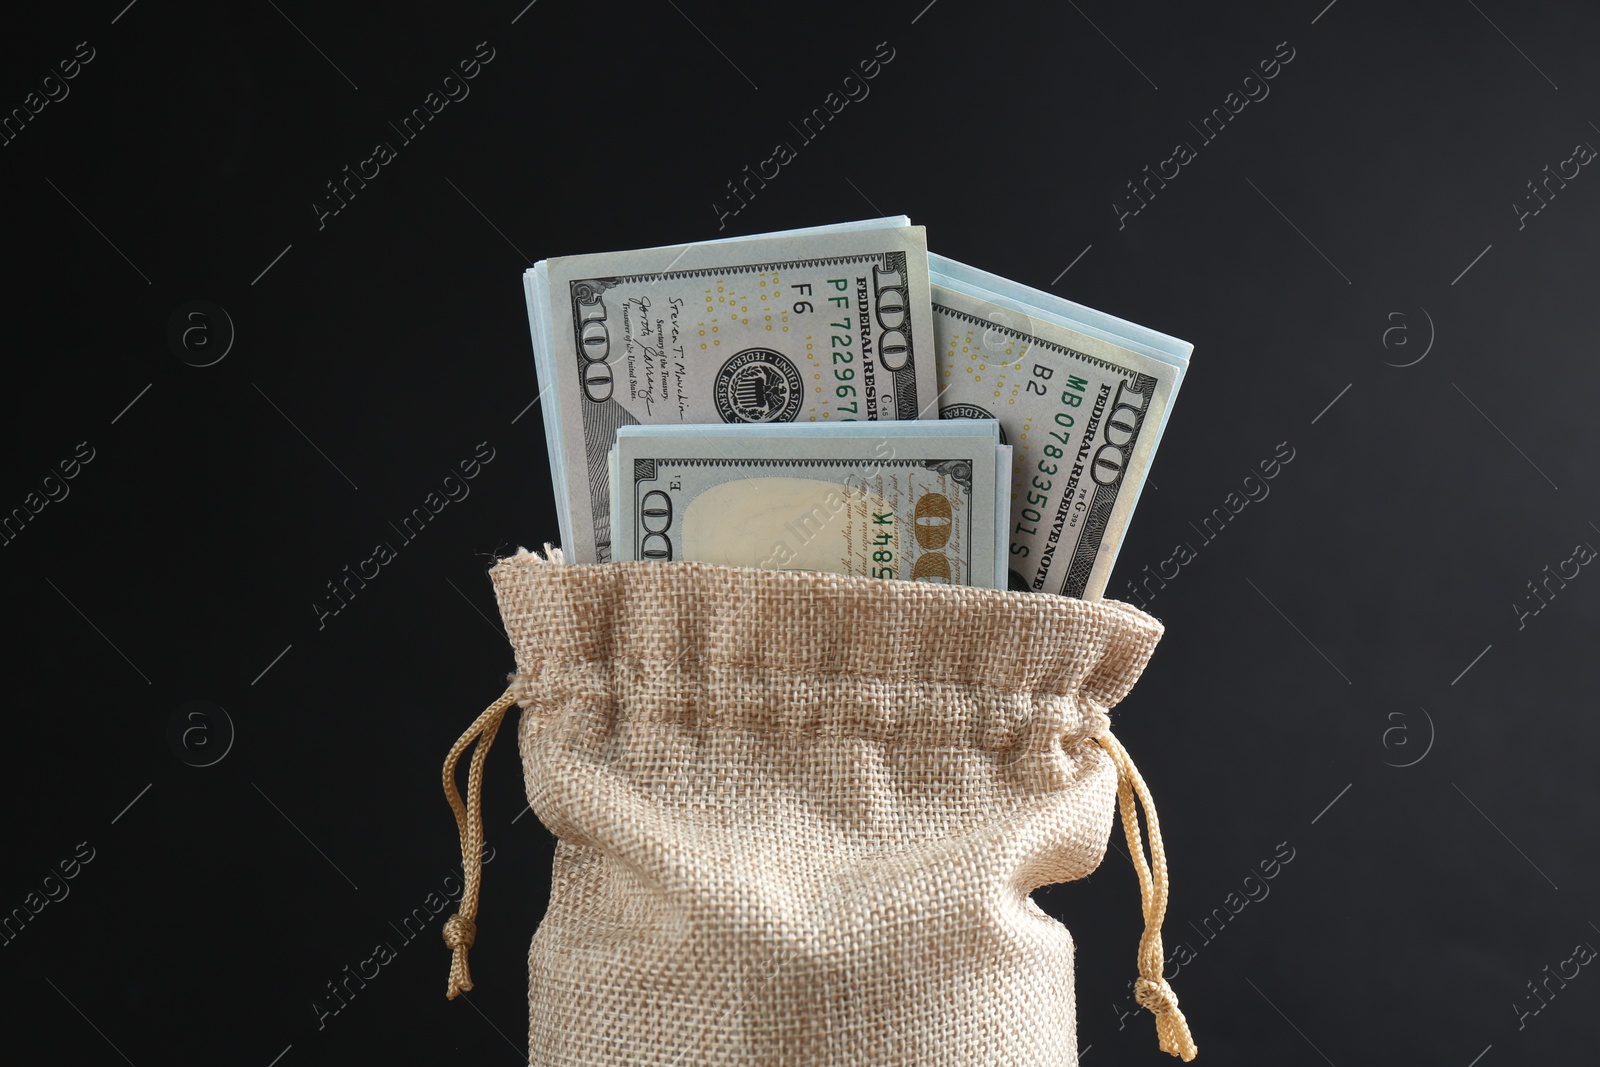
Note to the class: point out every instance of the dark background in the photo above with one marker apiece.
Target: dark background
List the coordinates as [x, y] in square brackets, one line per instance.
[1346, 677]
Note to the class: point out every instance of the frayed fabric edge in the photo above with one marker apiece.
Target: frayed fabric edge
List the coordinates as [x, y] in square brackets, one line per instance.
[552, 555]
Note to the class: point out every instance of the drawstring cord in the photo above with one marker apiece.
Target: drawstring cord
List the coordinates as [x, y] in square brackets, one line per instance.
[460, 930]
[1150, 989]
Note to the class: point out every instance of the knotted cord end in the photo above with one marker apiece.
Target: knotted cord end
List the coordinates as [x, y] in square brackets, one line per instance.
[460, 930]
[459, 933]
[1172, 1029]
[1150, 989]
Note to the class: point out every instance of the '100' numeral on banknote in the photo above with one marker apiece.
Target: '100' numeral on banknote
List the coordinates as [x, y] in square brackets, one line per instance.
[1080, 508]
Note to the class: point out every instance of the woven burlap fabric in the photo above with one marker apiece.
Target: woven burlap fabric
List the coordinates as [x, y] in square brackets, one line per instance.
[800, 815]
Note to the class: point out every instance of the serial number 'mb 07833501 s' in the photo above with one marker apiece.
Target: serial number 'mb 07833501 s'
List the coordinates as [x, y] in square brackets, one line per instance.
[1082, 508]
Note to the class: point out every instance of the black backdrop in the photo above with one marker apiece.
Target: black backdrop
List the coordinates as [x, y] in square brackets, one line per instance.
[1356, 675]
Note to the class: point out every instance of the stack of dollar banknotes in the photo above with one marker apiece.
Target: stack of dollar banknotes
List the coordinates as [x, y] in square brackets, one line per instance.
[838, 399]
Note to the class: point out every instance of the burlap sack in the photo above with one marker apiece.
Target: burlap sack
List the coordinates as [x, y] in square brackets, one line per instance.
[800, 815]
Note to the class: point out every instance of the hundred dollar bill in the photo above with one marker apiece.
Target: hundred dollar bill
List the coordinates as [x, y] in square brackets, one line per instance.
[901, 500]
[828, 324]
[1082, 397]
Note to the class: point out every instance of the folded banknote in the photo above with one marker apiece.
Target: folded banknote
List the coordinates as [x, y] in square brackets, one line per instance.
[1081, 396]
[922, 501]
[825, 324]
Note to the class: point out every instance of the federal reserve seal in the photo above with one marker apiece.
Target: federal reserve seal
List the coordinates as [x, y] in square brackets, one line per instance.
[758, 385]
[969, 411]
